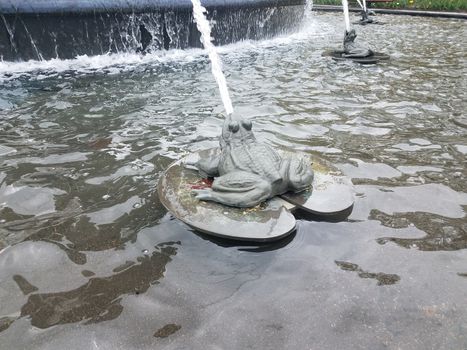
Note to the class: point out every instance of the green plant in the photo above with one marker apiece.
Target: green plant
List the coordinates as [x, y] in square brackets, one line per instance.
[441, 5]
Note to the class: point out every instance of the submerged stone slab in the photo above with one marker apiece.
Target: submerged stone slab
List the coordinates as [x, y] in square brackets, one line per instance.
[267, 221]
[332, 193]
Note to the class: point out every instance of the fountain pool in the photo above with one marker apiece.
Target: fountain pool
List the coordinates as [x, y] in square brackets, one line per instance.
[89, 259]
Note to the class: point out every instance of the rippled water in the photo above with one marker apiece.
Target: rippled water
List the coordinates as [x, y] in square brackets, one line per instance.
[91, 260]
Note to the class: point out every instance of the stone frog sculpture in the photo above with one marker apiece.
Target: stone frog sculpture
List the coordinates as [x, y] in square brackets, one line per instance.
[248, 172]
[351, 49]
[365, 18]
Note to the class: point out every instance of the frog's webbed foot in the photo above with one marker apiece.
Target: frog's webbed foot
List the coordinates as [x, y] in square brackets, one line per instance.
[203, 195]
[237, 189]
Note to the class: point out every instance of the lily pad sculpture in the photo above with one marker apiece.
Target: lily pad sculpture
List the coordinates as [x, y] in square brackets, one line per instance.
[352, 51]
[246, 190]
[355, 52]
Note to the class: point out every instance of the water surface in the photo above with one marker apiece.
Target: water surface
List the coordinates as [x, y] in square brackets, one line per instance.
[91, 260]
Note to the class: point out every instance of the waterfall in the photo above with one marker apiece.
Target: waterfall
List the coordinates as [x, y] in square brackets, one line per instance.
[205, 30]
[308, 8]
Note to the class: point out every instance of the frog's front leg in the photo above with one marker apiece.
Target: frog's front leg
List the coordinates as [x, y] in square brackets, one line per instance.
[208, 166]
[237, 189]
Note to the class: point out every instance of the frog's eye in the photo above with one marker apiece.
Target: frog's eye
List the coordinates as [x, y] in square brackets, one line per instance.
[233, 127]
[247, 124]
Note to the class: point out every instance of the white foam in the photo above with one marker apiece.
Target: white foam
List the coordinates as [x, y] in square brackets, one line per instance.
[122, 62]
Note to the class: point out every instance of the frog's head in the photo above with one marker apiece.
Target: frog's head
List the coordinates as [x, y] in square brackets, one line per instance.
[350, 36]
[237, 131]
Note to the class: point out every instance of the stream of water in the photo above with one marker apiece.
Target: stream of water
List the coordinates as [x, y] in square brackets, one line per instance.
[205, 29]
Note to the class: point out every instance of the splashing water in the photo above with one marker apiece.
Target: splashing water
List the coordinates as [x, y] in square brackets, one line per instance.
[345, 7]
[308, 9]
[205, 29]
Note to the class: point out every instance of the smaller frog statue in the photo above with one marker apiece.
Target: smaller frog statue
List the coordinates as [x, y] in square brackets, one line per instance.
[247, 172]
[366, 19]
[351, 49]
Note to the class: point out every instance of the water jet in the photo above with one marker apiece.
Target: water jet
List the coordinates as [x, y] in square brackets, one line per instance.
[245, 189]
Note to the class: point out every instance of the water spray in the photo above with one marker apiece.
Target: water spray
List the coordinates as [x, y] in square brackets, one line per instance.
[361, 5]
[308, 9]
[205, 29]
[345, 6]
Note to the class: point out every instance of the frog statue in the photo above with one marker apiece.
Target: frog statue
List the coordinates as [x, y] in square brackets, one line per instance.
[366, 19]
[247, 172]
[351, 49]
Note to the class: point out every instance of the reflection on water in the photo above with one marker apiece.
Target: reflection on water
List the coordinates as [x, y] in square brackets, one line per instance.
[24, 285]
[82, 145]
[442, 233]
[99, 299]
[382, 278]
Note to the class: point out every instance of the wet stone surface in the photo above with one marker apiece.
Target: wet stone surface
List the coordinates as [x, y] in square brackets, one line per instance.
[90, 259]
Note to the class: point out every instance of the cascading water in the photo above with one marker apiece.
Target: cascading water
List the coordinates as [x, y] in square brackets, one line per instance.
[205, 30]
[308, 9]
[48, 29]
